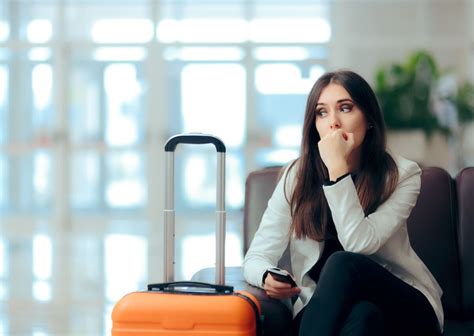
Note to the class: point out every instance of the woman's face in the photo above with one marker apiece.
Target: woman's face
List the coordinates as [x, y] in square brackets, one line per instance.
[336, 109]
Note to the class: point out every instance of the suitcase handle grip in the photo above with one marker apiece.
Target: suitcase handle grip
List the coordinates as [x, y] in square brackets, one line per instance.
[196, 139]
[170, 286]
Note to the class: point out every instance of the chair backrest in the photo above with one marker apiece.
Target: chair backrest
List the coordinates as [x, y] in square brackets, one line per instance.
[465, 193]
[259, 187]
[432, 227]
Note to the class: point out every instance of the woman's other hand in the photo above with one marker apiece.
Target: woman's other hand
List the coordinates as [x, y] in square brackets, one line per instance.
[279, 290]
[335, 149]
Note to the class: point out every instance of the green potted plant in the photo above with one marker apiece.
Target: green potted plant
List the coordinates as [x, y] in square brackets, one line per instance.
[404, 92]
[463, 100]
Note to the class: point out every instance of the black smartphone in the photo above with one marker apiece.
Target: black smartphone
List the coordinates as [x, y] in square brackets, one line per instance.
[282, 276]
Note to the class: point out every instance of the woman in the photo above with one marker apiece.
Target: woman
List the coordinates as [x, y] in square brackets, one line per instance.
[343, 207]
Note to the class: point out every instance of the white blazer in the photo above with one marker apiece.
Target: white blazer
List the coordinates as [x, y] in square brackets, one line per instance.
[382, 235]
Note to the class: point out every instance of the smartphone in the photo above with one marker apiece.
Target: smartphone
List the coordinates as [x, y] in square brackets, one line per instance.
[282, 276]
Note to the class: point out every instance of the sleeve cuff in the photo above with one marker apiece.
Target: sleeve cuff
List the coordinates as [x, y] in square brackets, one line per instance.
[330, 183]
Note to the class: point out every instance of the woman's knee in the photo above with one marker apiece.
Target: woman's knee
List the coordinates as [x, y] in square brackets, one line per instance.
[342, 261]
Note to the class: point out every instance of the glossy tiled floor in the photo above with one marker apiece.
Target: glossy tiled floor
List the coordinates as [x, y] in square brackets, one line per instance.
[64, 279]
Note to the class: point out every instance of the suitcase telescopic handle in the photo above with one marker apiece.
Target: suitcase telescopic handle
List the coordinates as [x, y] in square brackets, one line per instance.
[188, 285]
[195, 139]
[169, 211]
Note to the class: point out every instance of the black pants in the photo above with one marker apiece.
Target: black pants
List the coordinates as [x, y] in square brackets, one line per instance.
[357, 296]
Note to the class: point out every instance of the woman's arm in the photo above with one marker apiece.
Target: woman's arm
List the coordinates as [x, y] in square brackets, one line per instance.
[361, 234]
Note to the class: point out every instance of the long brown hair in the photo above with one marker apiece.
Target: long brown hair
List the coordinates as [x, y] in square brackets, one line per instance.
[375, 181]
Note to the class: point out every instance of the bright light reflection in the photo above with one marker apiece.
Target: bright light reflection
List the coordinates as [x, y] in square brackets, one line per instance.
[122, 31]
[39, 54]
[128, 188]
[288, 136]
[277, 157]
[42, 291]
[199, 180]
[42, 257]
[123, 89]
[4, 31]
[315, 30]
[119, 54]
[213, 101]
[202, 30]
[197, 189]
[3, 326]
[108, 318]
[3, 85]
[234, 195]
[316, 72]
[3, 259]
[39, 31]
[3, 178]
[284, 78]
[3, 293]
[281, 53]
[39, 332]
[125, 193]
[42, 83]
[41, 174]
[125, 264]
[200, 252]
[204, 54]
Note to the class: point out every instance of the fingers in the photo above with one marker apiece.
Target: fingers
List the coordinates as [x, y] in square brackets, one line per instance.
[350, 138]
[337, 134]
[275, 284]
[279, 290]
[283, 294]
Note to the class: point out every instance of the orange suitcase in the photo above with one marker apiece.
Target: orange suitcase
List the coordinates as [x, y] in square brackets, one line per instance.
[187, 311]
[189, 308]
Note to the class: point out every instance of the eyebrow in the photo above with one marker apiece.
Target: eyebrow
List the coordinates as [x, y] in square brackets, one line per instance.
[339, 101]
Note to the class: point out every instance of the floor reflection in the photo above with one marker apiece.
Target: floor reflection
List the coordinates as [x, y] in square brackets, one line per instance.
[65, 281]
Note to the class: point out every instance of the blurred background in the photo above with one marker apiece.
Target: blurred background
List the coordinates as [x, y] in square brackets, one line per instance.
[90, 90]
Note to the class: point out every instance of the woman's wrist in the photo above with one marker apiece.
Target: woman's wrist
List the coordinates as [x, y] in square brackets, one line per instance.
[338, 171]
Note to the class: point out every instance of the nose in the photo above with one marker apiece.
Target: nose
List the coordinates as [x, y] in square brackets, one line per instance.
[335, 124]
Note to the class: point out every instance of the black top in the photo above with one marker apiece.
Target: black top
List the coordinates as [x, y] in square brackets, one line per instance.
[331, 245]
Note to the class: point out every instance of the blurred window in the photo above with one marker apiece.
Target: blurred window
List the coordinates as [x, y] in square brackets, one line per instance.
[281, 93]
[93, 93]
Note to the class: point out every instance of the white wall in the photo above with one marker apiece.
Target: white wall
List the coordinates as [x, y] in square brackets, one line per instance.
[372, 33]
[369, 34]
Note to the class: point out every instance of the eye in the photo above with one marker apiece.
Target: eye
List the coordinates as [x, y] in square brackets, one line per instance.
[321, 113]
[346, 108]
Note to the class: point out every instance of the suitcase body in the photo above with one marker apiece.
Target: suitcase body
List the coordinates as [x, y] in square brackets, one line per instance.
[189, 308]
[186, 313]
